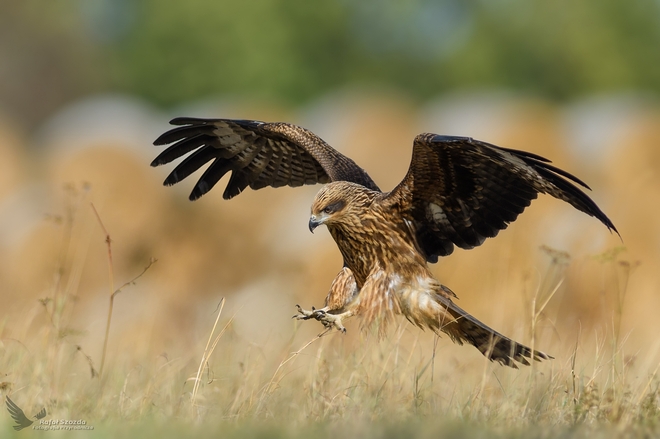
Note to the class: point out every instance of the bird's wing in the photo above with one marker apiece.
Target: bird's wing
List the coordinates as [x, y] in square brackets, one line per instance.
[460, 191]
[258, 154]
[41, 414]
[18, 415]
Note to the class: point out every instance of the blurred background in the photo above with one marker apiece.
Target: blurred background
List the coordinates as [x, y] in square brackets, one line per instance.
[86, 86]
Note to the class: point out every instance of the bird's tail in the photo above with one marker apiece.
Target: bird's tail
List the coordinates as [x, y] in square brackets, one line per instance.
[463, 328]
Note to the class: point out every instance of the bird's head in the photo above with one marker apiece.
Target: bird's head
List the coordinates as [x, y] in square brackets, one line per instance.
[339, 202]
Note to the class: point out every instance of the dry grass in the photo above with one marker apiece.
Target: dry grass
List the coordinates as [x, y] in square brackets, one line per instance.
[332, 385]
[177, 363]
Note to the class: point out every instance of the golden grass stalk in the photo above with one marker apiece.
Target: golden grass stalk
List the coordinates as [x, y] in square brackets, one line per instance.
[208, 351]
[269, 388]
[108, 243]
[113, 292]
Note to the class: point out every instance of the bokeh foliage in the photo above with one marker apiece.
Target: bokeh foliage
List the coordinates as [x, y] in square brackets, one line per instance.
[294, 50]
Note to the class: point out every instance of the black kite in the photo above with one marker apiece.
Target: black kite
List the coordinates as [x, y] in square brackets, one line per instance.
[458, 191]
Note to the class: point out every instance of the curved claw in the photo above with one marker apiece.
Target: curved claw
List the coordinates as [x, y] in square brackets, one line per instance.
[303, 314]
[332, 320]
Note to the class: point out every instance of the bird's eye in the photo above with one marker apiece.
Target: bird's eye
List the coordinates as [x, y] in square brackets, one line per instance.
[334, 207]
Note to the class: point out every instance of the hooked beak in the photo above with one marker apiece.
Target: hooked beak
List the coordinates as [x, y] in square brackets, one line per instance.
[314, 223]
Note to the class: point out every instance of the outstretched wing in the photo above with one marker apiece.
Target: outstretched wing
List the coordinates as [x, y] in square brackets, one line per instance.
[460, 191]
[41, 414]
[258, 154]
[18, 415]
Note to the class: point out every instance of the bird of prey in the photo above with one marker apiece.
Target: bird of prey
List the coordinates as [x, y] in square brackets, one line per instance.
[457, 192]
[19, 417]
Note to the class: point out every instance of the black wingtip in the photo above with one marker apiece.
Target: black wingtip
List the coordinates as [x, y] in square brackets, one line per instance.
[597, 213]
[172, 179]
[577, 198]
[187, 121]
[611, 227]
[201, 188]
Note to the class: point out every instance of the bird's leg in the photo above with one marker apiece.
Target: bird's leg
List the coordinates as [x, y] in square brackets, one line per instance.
[323, 315]
[330, 320]
[304, 314]
[342, 293]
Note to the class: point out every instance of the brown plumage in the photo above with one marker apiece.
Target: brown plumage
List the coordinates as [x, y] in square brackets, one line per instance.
[458, 191]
